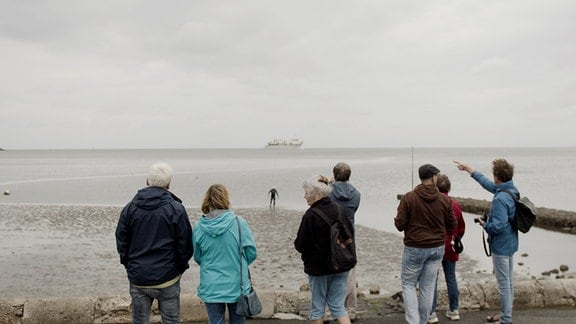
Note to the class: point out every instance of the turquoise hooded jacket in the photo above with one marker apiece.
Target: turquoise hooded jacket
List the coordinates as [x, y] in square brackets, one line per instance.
[216, 250]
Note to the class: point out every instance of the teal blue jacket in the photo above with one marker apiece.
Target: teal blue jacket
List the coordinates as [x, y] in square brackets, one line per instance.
[216, 250]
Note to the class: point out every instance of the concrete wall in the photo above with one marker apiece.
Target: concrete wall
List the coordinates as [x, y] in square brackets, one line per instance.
[280, 304]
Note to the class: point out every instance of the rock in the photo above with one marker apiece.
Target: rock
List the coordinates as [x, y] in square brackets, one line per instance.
[564, 268]
[520, 263]
[554, 271]
[524, 255]
[7, 192]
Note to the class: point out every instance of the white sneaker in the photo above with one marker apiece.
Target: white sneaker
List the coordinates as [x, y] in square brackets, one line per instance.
[453, 315]
[433, 318]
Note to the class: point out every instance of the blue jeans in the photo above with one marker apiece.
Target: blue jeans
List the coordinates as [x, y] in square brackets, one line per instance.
[217, 313]
[503, 271]
[419, 269]
[168, 303]
[449, 268]
[328, 290]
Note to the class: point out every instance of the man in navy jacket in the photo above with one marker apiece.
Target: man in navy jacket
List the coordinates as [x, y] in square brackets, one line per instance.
[154, 241]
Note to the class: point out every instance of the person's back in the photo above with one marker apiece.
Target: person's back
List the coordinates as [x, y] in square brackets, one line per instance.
[345, 194]
[424, 215]
[216, 251]
[154, 241]
[450, 257]
[421, 215]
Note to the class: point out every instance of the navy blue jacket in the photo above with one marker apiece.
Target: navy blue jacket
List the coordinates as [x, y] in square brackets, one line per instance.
[154, 237]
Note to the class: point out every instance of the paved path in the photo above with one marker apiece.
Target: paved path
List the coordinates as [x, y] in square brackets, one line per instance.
[528, 316]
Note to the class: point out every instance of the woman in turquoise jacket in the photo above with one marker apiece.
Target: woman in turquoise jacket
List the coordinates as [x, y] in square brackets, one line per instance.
[216, 242]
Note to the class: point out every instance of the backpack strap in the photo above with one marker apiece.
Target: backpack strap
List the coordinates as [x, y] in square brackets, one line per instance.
[325, 218]
[340, 220]
[515, 197]
[322, 215]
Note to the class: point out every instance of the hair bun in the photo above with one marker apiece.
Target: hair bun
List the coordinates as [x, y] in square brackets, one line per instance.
[323, 179]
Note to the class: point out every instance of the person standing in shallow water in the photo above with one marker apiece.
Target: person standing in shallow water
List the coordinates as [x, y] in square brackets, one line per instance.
[424, 215]
[344, 193]
[503, 238]
[154, 241]
[273, 193]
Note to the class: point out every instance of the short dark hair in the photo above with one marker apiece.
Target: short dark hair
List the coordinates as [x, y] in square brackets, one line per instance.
[502, 170]
[341, 171]
[443, 183]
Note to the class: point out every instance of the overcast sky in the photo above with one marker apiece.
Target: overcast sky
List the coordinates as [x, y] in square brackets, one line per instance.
[223, 74]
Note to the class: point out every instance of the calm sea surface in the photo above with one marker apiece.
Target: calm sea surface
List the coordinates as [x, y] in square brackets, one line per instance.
[111, 177]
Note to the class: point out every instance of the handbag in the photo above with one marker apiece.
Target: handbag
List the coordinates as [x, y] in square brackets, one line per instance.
[457, 245]
[248, 305]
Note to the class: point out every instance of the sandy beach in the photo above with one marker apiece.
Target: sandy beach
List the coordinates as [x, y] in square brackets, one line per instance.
[55, 251]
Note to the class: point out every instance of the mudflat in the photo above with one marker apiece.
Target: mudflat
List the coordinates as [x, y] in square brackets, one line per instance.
[56, 251]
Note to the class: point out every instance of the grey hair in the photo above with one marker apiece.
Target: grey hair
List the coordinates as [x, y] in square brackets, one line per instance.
[160, 175]
[317, 184]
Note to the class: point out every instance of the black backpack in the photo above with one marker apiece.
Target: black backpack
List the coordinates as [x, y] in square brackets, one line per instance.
[342, 252]
[525, 215]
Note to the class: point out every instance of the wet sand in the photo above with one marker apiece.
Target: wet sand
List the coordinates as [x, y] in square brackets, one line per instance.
[55, 251]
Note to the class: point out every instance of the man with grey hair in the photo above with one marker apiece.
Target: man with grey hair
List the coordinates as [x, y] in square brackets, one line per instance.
[154, 241]
[348, 197]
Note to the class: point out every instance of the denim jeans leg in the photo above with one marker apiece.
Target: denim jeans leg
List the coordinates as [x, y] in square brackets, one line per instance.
[435, 300]
[503, 267]
[169, 303]
[318, 291]
[216, 312]
[351, 301]
[336, 294]
[427, 281]
[141, 305]
[235, 319]
[411, 267]
[451, 283]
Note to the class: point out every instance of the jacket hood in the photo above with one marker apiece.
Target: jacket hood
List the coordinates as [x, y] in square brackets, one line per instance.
[427, 192]
[216, 226]
[343, 191]
[153, 197]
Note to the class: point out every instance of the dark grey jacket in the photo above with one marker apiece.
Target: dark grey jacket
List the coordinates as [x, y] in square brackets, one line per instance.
[154, 237]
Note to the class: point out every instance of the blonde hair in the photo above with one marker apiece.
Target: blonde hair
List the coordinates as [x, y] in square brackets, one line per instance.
[216, 197]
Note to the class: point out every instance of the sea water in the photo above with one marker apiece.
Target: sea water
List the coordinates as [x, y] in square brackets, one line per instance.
[112, 177]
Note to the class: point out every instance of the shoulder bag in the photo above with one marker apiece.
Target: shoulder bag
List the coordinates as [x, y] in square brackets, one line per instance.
[248, 305]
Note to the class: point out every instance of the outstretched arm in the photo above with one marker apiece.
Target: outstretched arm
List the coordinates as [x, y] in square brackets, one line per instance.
[464, 167]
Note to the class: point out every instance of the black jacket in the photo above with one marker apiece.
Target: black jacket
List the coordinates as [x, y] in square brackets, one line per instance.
[154, 237]
[313, 238]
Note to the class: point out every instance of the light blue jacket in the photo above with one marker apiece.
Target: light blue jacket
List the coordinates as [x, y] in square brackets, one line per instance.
[216, 250]
[503, 238]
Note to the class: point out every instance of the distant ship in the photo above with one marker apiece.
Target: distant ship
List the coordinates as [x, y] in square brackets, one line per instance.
[293, 143]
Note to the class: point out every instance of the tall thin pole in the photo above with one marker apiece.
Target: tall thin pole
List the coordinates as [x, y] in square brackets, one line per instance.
[412, 166]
